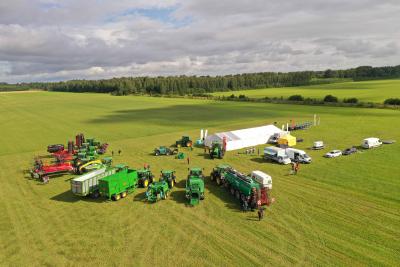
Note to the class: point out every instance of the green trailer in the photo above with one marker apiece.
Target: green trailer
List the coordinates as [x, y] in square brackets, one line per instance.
[118, 185]
[88, 184]
[145, 177]
[195, 186]
[157, 190]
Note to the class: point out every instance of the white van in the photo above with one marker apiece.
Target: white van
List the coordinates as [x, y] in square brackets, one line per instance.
[298, 155]
[371, 142]
[276, 154]
[262, 178]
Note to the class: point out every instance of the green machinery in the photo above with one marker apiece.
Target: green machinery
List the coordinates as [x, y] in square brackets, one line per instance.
[184, 142]
[169, 177]
[119, 184]
[93, 165]
[241, 186]
[195, 186]
[163, 150]
[88, 184]
[217, 150]
[217, 173]
[145, 177]
[157, 190]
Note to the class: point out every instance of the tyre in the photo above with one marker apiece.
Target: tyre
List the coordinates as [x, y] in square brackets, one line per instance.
[218, 180]
[237, 194]
[202, 197]
[157, 153]
[95, 194]
[232, 191]
[280, 160]
[166, 194]
[145, 183]
[123, 194]
[212, 178]
[116, 197]
[171, 184]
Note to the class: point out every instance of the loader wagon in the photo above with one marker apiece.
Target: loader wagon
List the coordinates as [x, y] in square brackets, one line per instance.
[88, 184]
[119, 184]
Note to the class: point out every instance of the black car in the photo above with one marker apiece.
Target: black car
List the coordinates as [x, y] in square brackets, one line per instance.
[349, 151]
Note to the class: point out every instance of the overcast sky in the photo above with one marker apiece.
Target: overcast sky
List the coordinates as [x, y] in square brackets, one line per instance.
[49, 40]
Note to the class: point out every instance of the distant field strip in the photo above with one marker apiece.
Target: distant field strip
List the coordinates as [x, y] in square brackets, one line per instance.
[366, 91]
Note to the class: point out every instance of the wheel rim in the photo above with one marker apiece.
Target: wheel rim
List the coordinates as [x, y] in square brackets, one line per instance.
[172, 183]
[146, 183]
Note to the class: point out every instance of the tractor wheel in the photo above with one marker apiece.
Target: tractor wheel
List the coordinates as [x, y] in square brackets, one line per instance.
[218, 180]
[171, 184]
[145, 183]
[212, 178]
[123, 194]
[237, 194]
[95, 194]
[166, 194]
[232, 191]
[116, 197]
[157, 153]
[168, 153]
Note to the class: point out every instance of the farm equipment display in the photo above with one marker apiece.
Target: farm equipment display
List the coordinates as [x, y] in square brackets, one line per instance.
[195, 186]
[217, 150]
[169, 177]
[163, 150]
[41, 171]
[184, 142]
[145, 177]
[88, 184]
[218, 171]
[250, 189]
[157, 190]
[119, 184]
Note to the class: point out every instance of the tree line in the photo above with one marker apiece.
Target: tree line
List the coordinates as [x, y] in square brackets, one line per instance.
[182, 85]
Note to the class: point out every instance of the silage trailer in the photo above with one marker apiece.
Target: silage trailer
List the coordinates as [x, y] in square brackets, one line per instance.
[88, 184]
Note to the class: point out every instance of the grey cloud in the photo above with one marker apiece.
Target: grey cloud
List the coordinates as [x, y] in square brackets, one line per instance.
[77, 39]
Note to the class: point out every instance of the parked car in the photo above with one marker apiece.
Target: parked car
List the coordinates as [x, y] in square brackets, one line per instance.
[318, 145]
[333, 154]
[349, 151]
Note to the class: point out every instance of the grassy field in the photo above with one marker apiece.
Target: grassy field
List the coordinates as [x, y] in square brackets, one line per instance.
[335, 212]
[366, 91]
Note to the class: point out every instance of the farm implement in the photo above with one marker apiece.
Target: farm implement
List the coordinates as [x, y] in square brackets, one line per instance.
[41, 171]
[157, 190]
[252, 190]
[195, 186]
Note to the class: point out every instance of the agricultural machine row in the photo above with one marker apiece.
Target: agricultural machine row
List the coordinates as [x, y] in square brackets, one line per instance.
[79, 157]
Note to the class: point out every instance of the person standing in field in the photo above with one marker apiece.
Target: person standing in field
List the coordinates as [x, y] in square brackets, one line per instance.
[188, 160]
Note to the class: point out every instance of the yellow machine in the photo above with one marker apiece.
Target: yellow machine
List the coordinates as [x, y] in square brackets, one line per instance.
[287, 140]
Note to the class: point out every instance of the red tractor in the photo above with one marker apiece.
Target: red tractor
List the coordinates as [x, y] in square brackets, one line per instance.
[41, 171]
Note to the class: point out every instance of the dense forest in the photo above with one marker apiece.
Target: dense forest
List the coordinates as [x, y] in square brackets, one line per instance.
[181, 85]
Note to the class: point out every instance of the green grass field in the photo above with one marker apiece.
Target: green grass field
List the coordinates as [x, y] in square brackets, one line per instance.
[365, 91]
[335, 212]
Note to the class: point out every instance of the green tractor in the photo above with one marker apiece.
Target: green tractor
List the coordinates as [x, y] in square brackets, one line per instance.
[218, 171]
[169, 177]
[145, 177]
[157, 190]
[195, 186]
[163, 150]
[184, 142]
[217, 150]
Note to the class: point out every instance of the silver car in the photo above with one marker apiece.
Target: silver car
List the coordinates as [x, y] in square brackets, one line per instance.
[333, 154]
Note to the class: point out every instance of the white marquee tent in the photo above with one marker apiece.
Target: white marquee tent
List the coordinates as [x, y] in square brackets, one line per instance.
[245, 137]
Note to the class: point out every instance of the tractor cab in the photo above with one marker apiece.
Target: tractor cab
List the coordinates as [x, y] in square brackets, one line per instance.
[196, 171]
